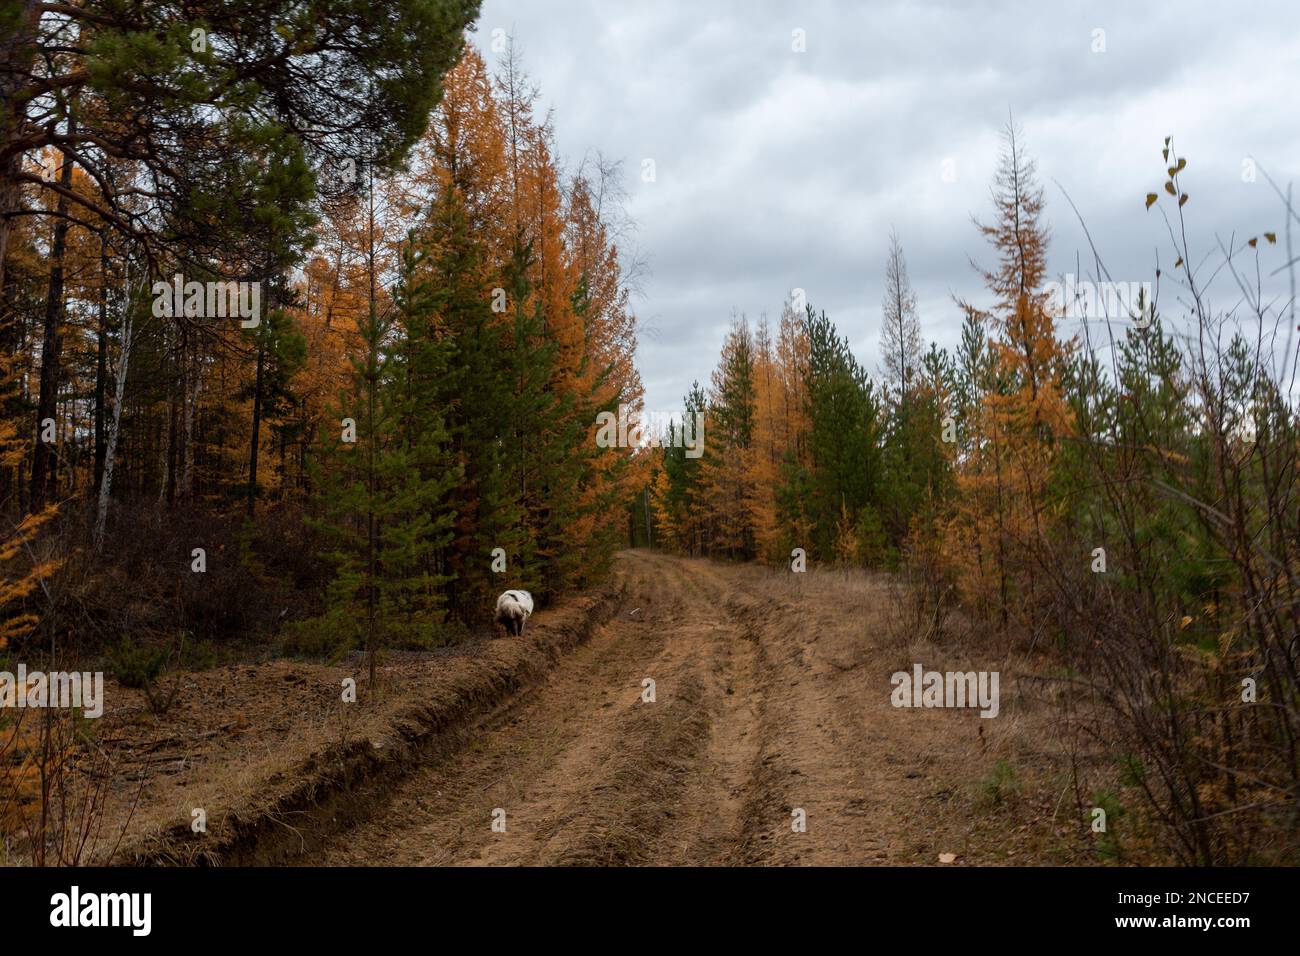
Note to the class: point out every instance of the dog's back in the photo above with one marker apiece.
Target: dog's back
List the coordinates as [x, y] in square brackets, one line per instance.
[513, 610]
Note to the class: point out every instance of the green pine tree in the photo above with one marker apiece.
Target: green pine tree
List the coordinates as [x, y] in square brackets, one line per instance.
[385, 476]
[843, 440]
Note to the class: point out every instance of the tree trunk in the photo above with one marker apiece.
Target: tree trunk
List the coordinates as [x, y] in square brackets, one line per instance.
[257, 429]
[372, 639]
[45, 461]
[191, 407]
[101, 360]
[173, 440]
[17, 54]
[110, 449]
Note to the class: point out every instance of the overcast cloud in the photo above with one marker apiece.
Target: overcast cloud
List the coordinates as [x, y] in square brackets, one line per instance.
[777, 169]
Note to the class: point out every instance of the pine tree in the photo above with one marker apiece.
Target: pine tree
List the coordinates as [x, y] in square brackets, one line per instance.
[843, 438]
[386, 495]
[679, 493]
[480, 395]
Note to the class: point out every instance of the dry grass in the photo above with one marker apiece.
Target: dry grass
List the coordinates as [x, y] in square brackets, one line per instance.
[996, 790]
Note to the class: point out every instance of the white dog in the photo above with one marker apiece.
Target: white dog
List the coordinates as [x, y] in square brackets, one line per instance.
[513, 609]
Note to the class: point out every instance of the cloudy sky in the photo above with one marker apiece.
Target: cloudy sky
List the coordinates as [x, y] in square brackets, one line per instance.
[777, 169]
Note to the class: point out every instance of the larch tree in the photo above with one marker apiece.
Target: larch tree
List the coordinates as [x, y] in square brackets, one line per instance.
[727, 472]
[900, 329]
[763, 459]
[1002, 506]
[906, 436]
[21, 571]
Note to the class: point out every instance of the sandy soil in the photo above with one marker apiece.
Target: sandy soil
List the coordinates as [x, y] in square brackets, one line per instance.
[772, 695]
[771, 703]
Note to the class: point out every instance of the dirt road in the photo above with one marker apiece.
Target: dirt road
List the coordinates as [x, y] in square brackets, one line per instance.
[771, 696]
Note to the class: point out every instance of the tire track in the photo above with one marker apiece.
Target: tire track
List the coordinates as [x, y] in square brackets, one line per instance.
[770, 696]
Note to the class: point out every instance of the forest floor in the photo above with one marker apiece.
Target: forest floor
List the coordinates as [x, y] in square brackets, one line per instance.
[771, 695]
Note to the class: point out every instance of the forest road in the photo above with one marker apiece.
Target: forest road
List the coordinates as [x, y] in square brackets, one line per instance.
[771, 696]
